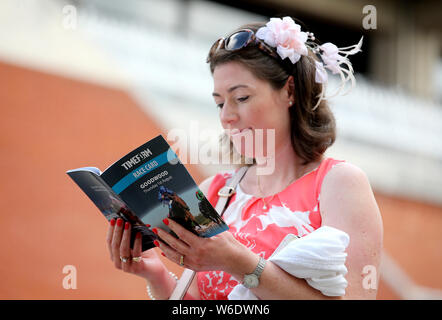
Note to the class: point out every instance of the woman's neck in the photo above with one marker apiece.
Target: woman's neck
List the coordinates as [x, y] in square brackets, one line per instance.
[287, 167]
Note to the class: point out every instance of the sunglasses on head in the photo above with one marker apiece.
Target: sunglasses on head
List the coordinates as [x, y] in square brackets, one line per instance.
[238, 40]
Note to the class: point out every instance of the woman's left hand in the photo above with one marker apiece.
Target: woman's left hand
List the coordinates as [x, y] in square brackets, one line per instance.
[199, 254]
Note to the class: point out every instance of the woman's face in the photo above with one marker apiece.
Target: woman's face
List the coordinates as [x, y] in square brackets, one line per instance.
[248, 104]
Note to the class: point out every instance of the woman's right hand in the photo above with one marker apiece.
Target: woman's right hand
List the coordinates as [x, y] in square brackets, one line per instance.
[149, 267]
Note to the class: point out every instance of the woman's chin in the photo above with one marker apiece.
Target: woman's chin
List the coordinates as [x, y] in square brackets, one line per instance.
[245, 153]
[250, 150]
[250, 146]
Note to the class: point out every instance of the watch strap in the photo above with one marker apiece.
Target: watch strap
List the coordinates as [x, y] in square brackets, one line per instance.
[260, 267]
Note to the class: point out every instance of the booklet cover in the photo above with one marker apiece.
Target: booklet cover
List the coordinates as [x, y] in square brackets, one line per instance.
[146, 186]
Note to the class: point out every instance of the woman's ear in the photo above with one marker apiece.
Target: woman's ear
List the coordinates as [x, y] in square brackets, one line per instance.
[289, 88]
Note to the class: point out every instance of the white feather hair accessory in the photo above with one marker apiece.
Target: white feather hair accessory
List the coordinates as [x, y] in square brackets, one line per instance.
[290, 42]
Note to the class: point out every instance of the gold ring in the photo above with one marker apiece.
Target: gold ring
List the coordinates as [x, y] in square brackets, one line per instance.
[136, 259]
[182, 260]
[124, 259]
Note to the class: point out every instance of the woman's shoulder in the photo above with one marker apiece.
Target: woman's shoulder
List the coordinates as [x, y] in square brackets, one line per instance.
[342, 171]
[343, 176]
[347, 194]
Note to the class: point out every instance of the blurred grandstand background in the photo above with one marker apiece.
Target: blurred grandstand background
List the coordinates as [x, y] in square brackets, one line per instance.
[84, 82]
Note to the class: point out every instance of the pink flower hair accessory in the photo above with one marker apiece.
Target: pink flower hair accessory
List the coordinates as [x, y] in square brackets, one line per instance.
[290, 42]
[286, 36]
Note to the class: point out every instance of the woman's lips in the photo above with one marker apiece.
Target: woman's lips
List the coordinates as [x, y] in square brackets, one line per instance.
[235, 132]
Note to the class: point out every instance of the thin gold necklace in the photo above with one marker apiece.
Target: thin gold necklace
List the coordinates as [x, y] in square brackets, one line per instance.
[262, 195]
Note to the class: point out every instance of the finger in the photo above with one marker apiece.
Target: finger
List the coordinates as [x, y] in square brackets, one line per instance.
[174, 243]
[169, 252]
[136, 253]
[116, 241]
[125, 247]
[185, 235]
[137, 250]
[109, 235]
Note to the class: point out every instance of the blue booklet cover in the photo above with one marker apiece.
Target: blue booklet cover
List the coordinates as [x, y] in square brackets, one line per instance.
[146, 186]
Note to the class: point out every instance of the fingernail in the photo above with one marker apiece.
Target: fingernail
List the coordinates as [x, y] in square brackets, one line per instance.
[156, 243]
[126, 226]
[155, 230]
[119, 222]
[166, 222]
[112, 222]
[162, 253]
[148, 225]
[138, 235]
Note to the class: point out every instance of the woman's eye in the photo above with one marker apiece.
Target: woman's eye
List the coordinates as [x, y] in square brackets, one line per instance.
[242, 99]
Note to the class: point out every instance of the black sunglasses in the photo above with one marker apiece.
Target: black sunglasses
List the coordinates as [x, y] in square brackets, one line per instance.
[238, 40]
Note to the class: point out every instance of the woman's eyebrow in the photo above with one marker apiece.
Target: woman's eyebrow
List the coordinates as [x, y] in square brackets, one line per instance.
[231, 89]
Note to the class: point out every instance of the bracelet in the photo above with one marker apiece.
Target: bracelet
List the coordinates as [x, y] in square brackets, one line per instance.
[149, 292]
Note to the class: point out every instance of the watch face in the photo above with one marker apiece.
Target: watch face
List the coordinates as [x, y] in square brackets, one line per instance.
[251, 281]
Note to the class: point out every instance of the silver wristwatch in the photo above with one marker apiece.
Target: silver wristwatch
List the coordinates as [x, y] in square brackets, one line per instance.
[252, 280]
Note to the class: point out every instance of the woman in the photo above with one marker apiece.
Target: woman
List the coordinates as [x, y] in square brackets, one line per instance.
[270, 77]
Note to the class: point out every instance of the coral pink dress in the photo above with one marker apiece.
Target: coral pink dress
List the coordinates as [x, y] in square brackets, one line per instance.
[294, 210]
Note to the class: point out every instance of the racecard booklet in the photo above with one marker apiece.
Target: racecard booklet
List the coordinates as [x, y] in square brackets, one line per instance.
[146, 186]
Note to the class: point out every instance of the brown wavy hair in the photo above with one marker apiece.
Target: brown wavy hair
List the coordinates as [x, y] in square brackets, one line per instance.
[312, 131]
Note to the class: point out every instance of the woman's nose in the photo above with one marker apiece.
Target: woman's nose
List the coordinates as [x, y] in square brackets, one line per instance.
[228, 115]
